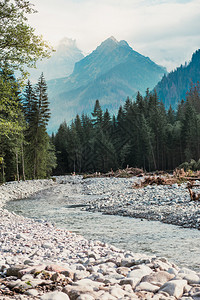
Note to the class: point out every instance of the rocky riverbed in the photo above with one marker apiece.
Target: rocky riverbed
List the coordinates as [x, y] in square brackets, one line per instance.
[40, 261]
[168, 204]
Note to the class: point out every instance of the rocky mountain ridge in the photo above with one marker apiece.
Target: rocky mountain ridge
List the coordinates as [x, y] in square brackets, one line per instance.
[174, 86]
[110, 73]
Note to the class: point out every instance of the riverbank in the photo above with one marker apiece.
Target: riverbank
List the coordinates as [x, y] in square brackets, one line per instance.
[168, 204]
[18, 190]
[41, 261]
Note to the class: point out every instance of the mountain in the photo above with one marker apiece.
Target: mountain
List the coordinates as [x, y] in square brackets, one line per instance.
[110, 73]
[60, 64]
[174, 86]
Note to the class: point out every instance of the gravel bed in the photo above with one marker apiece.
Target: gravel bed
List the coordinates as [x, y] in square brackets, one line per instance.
[168, 204]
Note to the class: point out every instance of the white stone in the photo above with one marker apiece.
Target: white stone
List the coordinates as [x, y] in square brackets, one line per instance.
[140, 272]
[55, 296]
[186, 271]
[146, 286]
[32, 293]
[85, 297]
[191, 278]
[117, 292]
[87, 282]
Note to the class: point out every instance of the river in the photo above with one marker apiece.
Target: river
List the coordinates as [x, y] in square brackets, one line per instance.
[179, 245]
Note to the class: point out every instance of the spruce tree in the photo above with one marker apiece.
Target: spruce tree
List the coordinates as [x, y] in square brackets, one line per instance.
[38, 148]
[60, 143]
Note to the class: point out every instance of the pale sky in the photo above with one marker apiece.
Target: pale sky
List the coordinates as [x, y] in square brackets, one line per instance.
[166, 31]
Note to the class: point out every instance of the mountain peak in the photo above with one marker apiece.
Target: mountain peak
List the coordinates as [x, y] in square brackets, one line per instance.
[66, 44]
[61, 63]
[111, 41]
[110, 44]
[112, 38]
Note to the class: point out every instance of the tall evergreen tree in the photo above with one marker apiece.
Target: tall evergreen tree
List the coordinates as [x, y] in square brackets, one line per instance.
[37, 113]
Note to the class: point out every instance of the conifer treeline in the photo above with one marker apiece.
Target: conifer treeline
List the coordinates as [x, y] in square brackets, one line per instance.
[26, 151]
[143, 134]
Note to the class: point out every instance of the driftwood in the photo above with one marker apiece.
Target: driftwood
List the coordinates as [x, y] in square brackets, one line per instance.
[191, 185]
[128, 172]
[158, 180]
[192, 178]
[188, 175]
[194, 196]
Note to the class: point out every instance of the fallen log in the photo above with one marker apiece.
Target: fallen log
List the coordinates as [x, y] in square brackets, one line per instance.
[155, 180]
[194, 196]
[192, 185]
[191, 178]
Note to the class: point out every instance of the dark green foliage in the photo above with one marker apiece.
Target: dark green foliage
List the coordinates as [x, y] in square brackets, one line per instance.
[26, 150]
[61, 141]
[11, 126]
[174, 86]
[24, 146]
[39, 151]
[191, 165]
[19, 46]
[142, 135]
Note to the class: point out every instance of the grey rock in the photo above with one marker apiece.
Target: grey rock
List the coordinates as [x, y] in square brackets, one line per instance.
[75, 291]
[174, 288]
[158, 278]
[132, 281]
[15, 271]
[57, 277]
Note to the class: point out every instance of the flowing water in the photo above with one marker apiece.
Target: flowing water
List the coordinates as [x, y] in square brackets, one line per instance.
[179, 245]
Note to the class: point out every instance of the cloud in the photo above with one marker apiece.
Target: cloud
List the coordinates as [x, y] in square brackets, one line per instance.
[155, 27]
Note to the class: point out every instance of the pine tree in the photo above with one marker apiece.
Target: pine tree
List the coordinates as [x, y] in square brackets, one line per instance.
[37, 113]
[43, 103]
[88, 151]
[60, 143]
[97, 115]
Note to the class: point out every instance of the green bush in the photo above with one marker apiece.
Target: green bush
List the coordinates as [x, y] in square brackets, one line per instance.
[192, 165]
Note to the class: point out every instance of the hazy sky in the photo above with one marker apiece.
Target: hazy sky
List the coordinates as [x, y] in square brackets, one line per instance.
[167, 31]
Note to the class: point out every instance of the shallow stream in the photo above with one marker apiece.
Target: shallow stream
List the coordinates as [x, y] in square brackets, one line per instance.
[179, 245]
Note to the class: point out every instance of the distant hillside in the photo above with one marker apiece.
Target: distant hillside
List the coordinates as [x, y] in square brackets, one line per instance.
[60, 64]
[174, 86]
[110, 73]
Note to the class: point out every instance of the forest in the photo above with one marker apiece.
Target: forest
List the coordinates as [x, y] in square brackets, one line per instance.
[175, 85]
[143, 134]
[26, 151]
